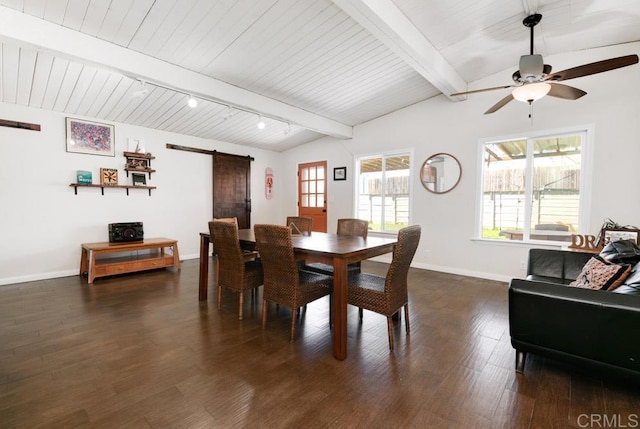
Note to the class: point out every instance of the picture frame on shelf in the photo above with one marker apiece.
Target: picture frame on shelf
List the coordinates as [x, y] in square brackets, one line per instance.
[340, 173]
[139, 179]
[614, 234]
[83, 177]
[88, 137]
[138, 163]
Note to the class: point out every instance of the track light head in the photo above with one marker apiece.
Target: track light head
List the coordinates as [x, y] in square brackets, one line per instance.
[142, 90]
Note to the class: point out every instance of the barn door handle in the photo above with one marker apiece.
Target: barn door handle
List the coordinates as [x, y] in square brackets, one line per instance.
[248, 205]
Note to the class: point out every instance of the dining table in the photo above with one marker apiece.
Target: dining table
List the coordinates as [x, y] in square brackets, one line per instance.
[329, 248]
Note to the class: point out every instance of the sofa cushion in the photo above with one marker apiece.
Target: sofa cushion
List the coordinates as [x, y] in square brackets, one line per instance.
[601, 274]
[621, 251]
[556, 264]
[634, 276]
[627, 290]
[545, 279]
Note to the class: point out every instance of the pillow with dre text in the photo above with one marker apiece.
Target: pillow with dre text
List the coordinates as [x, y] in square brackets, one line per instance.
[599, 274]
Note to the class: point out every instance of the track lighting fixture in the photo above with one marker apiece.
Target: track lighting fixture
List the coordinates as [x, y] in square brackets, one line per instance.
[141, 91]
[229, 113]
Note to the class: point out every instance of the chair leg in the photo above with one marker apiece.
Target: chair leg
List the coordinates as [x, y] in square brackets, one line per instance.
[264, 313]
[241, 305]
[294, 316]
[360, 313]
[219, 297]
[390, 330]
[406, 318]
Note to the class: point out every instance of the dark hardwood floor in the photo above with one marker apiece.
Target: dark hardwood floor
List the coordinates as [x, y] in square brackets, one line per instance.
[141, 351]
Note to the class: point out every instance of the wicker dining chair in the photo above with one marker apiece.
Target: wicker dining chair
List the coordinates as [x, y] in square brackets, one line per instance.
[236, 270]
[386, 295]
[300, 225]
[346, 227]
[284, 284]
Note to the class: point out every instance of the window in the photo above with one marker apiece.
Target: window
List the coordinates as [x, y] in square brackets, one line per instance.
[383, 191]
[533, 188]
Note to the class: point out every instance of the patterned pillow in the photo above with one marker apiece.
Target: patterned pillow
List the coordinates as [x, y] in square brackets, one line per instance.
[600, 274]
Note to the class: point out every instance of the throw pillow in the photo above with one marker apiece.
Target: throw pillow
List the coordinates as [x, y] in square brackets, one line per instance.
[621, 251]
[600, 274]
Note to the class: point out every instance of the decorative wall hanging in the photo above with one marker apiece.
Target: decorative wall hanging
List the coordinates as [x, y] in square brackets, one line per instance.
[268, 183]
[90, 137]
[136, 146]
[340, 173]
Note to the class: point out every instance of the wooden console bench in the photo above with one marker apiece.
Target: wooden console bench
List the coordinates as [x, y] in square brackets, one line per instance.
[155, 258]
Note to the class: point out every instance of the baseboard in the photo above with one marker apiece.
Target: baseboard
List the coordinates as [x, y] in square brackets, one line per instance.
[384, 258]
[461, 272]
[38, 276]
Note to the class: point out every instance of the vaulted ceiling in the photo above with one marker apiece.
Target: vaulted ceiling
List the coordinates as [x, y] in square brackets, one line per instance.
[308, 68]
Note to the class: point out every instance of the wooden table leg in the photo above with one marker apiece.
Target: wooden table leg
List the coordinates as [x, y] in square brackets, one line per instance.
[204, 267]
[91, 269]
[340, 309]
[176, 256]
[83, 261]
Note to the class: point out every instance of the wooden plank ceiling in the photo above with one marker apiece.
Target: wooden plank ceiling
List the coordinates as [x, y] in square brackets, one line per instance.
[309, 67]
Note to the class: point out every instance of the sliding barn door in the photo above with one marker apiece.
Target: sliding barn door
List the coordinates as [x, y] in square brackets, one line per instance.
[232, 188]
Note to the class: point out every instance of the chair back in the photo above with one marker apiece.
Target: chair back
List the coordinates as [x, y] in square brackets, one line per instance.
[224, 235]
[273, 242]
[300, 225]
[395, 287]
[353, 227]
[227, 219]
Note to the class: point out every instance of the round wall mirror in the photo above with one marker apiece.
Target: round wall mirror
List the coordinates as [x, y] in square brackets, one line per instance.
[440, 173]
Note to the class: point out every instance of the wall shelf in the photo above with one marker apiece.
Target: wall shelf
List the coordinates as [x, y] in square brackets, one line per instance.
[138, 163]
[127, 187]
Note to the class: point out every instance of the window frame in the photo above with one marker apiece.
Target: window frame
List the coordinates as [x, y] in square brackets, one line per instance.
[586, 173]
[383, 154]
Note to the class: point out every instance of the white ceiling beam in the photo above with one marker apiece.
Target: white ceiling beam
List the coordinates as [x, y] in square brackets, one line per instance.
[387, 23]
[24, 30]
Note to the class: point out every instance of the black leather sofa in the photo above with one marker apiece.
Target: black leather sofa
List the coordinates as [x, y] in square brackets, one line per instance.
[598, 330]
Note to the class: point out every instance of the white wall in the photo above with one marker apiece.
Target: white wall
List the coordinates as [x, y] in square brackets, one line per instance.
[339, 193]
[42, 222]
[612, 107]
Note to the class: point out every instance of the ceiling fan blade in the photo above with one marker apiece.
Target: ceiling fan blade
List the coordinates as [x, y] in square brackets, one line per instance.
[565, 91]
[500, 104]
[481, 90]
[593, 68]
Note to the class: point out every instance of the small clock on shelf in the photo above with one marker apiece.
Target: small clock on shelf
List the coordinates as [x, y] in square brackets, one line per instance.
[108, 176]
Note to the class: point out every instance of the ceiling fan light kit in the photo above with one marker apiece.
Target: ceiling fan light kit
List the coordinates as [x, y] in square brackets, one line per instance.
[531, 92]
[533, 79]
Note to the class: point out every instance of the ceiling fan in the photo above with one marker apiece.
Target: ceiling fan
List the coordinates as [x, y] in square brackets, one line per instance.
[533, 79]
